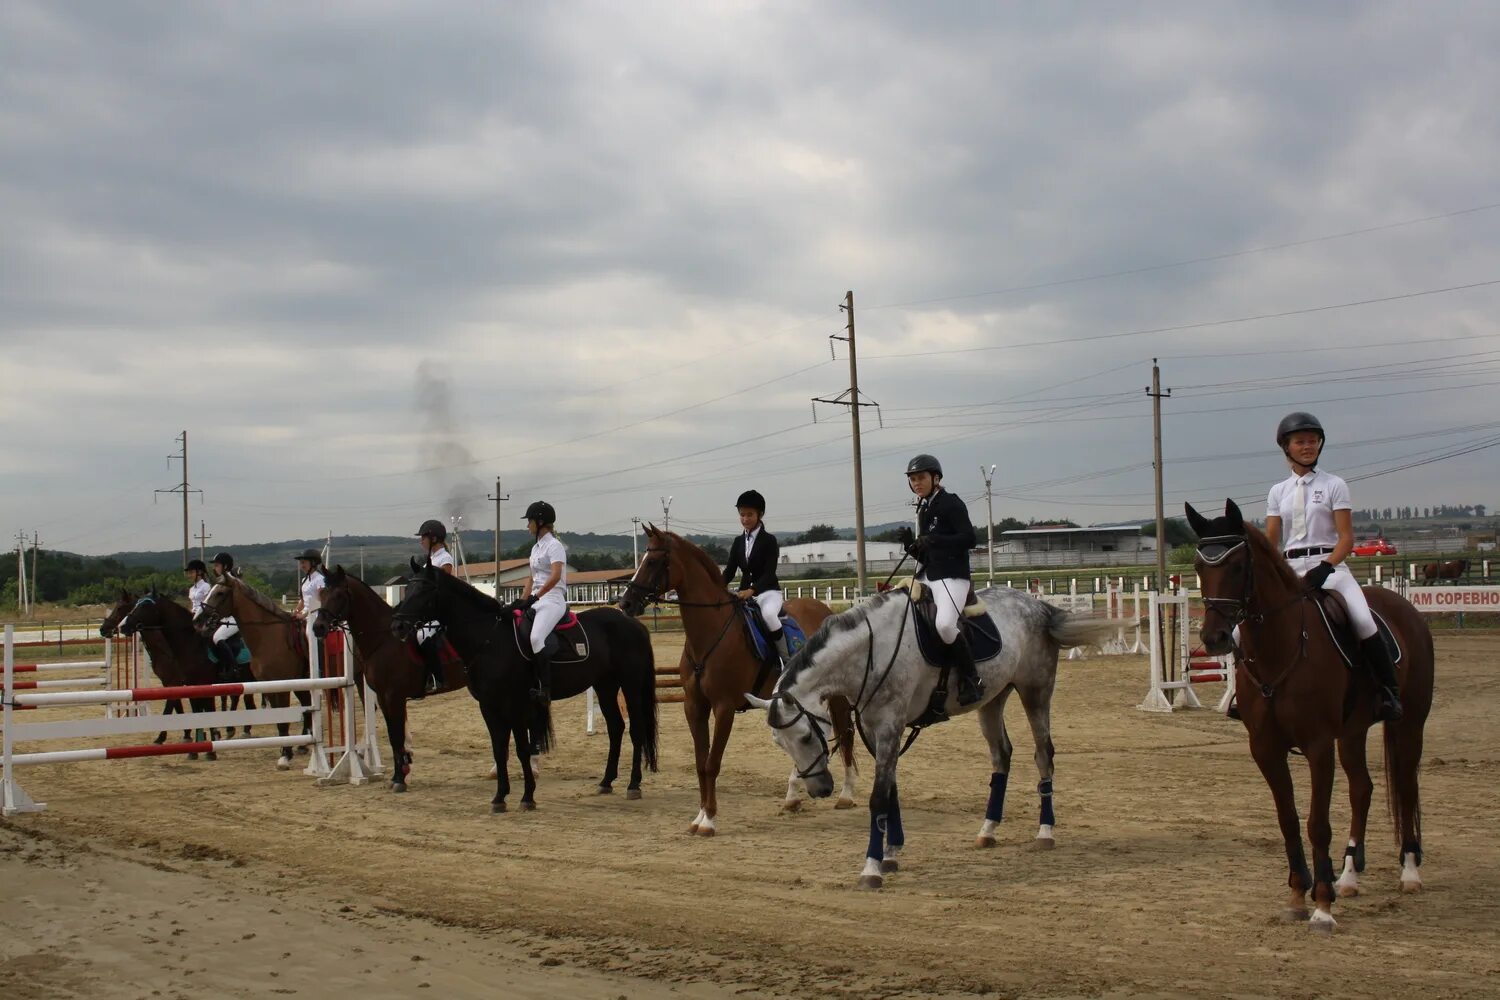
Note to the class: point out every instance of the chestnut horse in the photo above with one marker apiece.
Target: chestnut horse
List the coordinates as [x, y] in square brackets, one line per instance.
[276, 640]
[1451, 570]
[719, 666]
[1295, 691]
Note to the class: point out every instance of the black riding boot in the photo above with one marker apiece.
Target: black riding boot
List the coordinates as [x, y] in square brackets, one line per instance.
[1379, 660]
[970, 689]
[227, 667]
[541, 663]
[778, 640]
[432, 659]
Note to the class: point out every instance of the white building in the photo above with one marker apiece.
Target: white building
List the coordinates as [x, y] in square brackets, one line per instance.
[840, 551]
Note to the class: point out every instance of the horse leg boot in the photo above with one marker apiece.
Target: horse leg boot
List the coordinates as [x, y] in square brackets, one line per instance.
[1379, 659]
[970, 690]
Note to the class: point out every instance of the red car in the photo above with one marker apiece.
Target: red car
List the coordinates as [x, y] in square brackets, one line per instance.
[1374, 547]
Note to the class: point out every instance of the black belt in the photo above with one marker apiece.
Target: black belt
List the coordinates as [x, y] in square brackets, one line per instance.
[1299, 553]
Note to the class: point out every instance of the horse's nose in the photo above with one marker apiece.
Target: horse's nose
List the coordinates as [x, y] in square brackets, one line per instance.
[1217, 640]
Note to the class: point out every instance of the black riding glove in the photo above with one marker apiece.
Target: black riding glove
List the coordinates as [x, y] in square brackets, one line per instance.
[905, 537]
[1318, 575]
[529, 601]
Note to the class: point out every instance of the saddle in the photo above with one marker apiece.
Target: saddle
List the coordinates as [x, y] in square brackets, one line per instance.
[567, 643]
[1336, 619]
[755, 624]
[237, 647]
[447, 655]
[975, 624]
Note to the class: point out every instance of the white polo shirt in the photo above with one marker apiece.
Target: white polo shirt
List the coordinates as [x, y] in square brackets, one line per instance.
[1322, 494]
[440, 558]
[198, 593]
[313, 583]
[544, 553]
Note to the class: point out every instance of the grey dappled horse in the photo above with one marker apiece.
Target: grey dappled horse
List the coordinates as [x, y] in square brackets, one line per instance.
[869, 655]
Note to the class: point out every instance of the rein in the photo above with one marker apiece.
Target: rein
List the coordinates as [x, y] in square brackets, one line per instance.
[1239, 611]
[820, 765]
[651, 594]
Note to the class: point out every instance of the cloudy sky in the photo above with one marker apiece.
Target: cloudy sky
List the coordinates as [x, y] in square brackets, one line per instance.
[373, 255]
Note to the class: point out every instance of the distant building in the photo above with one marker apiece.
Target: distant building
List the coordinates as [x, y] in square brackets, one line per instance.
[1046, 538]
[840, 551]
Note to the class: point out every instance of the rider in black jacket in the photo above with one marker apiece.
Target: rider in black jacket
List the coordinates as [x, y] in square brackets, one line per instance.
[945, 536]
[757, 566]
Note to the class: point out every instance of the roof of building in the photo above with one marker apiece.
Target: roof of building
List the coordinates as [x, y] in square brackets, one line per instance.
[1114, 529]
[601, 576]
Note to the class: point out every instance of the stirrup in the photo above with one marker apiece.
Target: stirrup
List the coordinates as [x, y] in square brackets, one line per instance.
[970, 690]
[1388, 706]
[433, 685]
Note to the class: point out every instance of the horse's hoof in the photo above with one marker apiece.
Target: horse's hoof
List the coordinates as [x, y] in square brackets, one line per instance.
[398, 786]
[604, 790]
[1321, 922]
[160, 739]
[871, 882]
[692, 829]
[791, 805]
[527, 807]
[1410, 888]
[192, 756]
[632, 794]
[1294, 915]
[283, 763]
[1346, 890]
[210, 756]
[889, 865]
[497, 807]
[984, 840]
[1043, 844]
[844, 804]
[705, 831]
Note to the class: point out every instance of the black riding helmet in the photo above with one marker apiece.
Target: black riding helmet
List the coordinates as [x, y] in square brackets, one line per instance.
[224, 559]
[925, 463]
[753, 499]
[313, 556]
[1297, 422]
[196, 564]
[433, 529]
[541, 512]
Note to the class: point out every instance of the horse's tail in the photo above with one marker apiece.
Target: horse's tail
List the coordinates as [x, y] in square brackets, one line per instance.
[539, 723]
[1399, 785]
[640, 694]
[1069, 630]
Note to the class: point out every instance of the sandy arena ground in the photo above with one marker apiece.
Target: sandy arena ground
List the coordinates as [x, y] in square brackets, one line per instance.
[165, 877]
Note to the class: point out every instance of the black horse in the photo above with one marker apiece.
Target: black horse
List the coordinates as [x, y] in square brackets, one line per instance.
[482, 630]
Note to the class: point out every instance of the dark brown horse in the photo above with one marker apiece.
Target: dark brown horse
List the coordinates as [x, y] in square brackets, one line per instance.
[1295, 691]
[1452, 570]
[276, 640]
[719, 665]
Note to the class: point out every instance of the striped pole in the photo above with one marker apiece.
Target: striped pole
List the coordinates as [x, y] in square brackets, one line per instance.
[185, 691]
[164, 750]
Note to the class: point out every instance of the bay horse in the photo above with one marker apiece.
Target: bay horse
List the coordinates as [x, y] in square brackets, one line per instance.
[163, 663]
[1296, 691]
[166, 630]
[1454, 569]
[483, 631]
[396, 676]
[276, 641]
[869, 656]
[719, 666]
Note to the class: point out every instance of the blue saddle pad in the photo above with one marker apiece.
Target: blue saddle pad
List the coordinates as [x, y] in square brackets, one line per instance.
[795, 637]
[241, 651]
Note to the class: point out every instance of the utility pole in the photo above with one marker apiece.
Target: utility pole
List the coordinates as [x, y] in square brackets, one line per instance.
[498, 497]
[989, 506]
[666, 513]
[1154, 391]
[203, 536]
[36, 544]
[22, 605]
[850, 398]
[635, 541]
[184, 489]
[361, 562]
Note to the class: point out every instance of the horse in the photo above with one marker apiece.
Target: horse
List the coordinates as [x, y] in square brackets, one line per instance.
[166, 629]
[276, 641]
[1297, 692]
[719, 666]
[484, 632]
[869, 656]
[1452, 570]
[163, 663]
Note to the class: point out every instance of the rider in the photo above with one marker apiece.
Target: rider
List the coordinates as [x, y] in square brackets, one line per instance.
[756, 553]
[546, 594]
[198, 585]
[310, 566]
[944, 537]
[1315, 509]
[433, 537]
[223, 565]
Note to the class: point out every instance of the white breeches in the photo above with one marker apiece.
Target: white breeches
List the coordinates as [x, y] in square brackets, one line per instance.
[1348, 588]
[226, 630]
[948, 597]
[548, 612]
[427, 631]
[770, 608]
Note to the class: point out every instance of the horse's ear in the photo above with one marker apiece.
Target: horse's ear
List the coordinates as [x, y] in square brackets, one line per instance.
[760, 703]
[124, 594]
[1232, 512]
[153, 590]
[416, 567]
[1196, 521]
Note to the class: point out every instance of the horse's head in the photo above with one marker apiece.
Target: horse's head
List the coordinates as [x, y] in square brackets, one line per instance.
[1226, 568]
[333, 607]
[218, 605]
[111, 624]
[421, 603]
[145, 613]
[657, 573]
[800, 733]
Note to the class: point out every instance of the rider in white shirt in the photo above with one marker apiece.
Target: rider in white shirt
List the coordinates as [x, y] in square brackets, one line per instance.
[1309, 515]
[310, 565]
[547, 593]
[223, 565]
[433, 537]
[198, 585]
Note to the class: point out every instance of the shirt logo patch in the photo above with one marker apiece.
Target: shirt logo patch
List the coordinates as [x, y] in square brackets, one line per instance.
[1317, 496]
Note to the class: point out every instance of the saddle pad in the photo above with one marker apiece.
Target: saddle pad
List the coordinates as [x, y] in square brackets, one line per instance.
[795, 637]
[447, 655]
[572, 648]
[982, 632]
[237, 645]
[1336, 619]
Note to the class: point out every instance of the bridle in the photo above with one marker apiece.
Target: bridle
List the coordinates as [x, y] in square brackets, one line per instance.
[651, 593]
[1240, 610]
[142, 602]
[820, 766]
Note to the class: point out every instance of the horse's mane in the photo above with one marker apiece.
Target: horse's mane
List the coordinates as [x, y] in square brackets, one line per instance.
[260, 600]
[838, 624]
[1267, 554]
[469, 592]
[709, 564]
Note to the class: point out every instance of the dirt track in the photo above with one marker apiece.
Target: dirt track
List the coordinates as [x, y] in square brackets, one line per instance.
[1166, 881]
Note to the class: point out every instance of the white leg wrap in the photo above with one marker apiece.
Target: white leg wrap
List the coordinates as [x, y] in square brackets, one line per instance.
[1411, 876]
